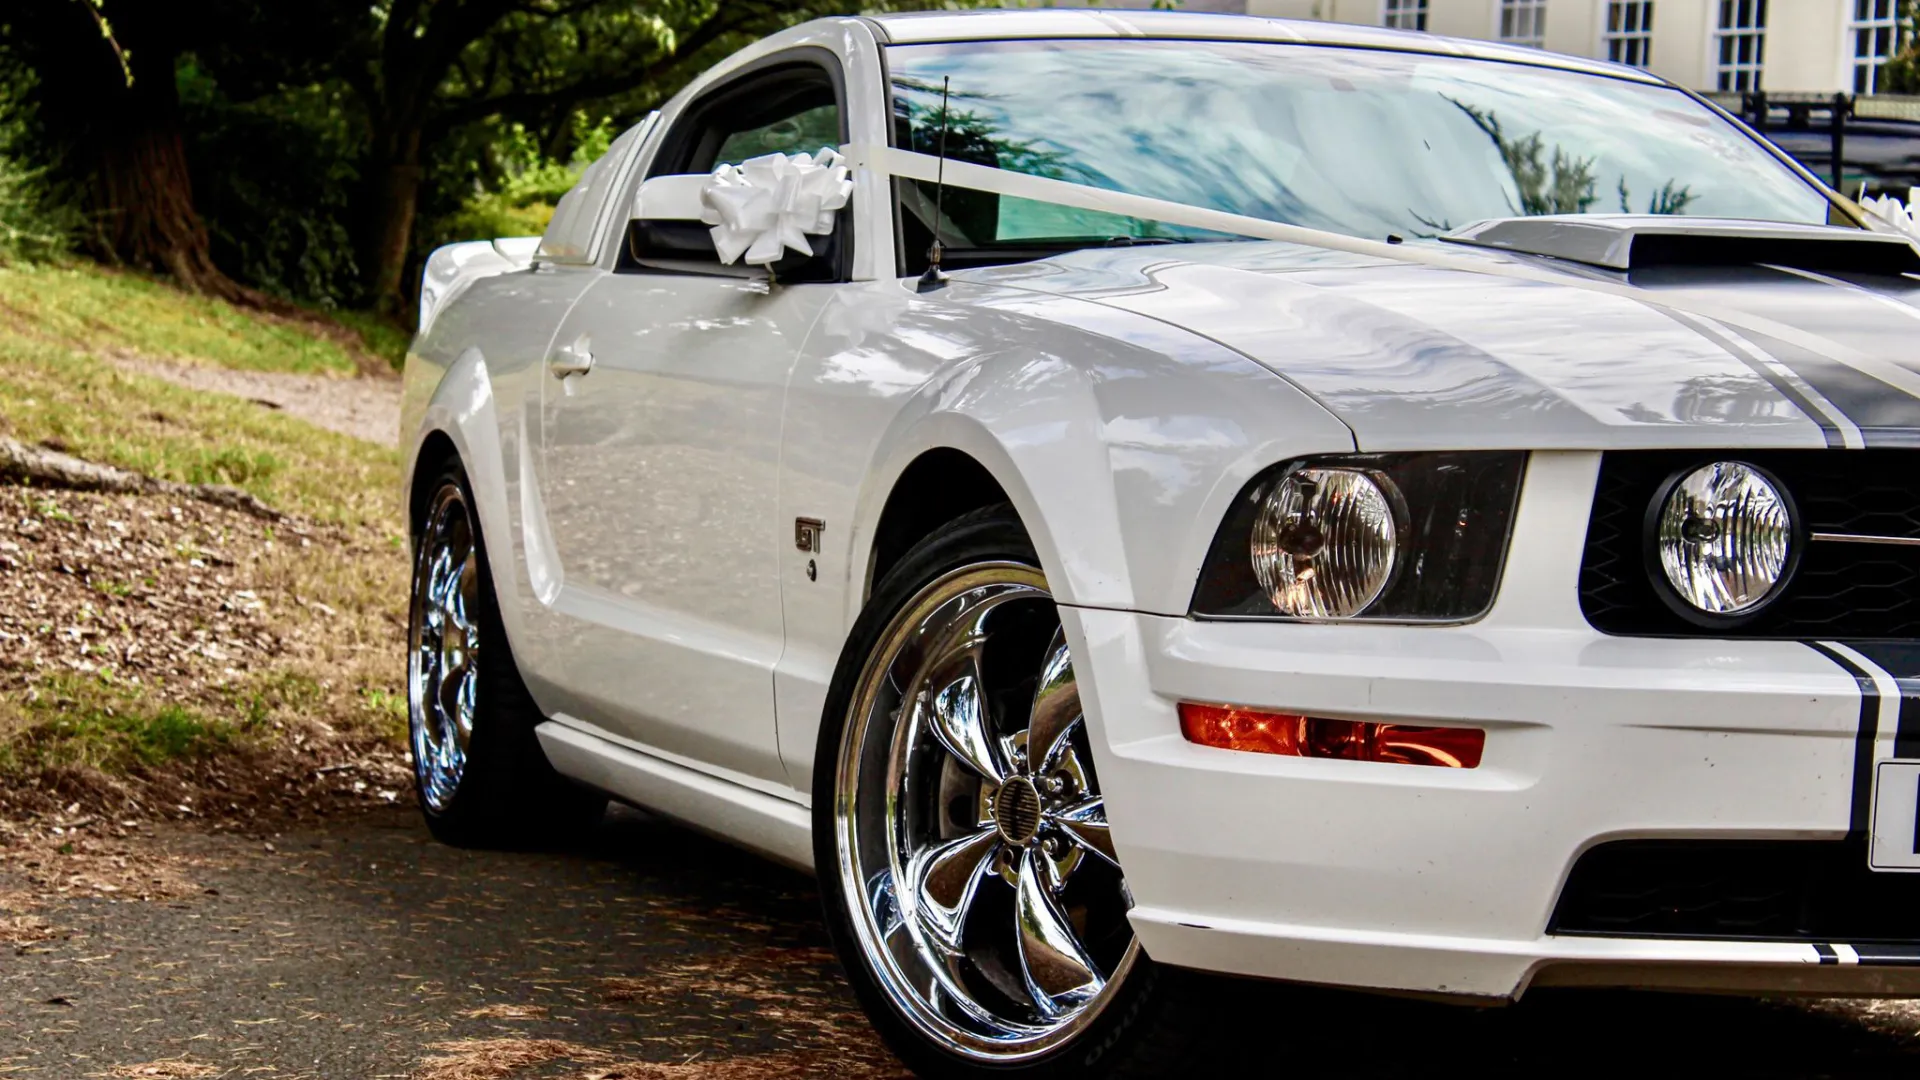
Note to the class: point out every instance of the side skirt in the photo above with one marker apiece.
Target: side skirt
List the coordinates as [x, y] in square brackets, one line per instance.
[778, 828]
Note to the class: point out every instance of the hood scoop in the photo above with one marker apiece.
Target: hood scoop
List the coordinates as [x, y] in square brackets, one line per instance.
[1637, 242]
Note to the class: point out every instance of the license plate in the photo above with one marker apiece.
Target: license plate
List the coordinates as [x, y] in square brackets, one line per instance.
[1896, 817]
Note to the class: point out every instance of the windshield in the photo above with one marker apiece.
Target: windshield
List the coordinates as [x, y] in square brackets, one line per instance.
[1363, 142]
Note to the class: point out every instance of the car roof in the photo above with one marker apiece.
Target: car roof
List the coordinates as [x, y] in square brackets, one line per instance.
[927, 27]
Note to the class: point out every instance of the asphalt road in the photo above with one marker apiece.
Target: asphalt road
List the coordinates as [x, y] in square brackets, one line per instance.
[369, 951]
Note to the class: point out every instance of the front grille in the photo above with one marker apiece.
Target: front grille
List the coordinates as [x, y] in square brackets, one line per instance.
[1772, 890]
[1838, 590]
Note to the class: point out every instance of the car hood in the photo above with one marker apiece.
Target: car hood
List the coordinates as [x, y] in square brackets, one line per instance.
[1413, 357]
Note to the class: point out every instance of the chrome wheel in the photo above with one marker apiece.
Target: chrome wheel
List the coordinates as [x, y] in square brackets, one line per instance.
[972, 838]
[444, 640]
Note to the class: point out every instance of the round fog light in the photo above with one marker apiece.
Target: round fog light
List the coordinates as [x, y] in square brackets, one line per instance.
[1724, 536]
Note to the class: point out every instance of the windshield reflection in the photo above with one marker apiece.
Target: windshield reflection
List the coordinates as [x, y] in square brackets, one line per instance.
[1363, 142]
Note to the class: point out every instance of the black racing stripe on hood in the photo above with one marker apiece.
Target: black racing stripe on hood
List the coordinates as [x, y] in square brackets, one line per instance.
[1886, 415]
[1877, 315]
[1787, 388]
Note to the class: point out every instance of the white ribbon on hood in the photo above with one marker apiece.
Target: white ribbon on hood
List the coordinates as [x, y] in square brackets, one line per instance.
[765, 205]
[1893, 212]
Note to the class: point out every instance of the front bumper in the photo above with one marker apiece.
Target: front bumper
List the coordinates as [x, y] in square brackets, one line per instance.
[1444, 881]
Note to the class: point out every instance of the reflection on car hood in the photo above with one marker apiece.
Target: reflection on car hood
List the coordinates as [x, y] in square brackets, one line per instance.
[1413, 357]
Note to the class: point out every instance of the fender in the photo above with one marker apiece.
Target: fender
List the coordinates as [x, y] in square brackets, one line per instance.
[463, 409]
[1118, 459]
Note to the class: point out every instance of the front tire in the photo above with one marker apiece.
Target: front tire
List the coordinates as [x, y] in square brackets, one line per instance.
[479, 771]
[969, 882]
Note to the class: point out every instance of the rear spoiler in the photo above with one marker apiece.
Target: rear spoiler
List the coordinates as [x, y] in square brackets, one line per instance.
[1638, 242]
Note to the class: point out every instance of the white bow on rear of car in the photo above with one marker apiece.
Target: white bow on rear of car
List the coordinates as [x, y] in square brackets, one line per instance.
[1893, 212]
[768, 204]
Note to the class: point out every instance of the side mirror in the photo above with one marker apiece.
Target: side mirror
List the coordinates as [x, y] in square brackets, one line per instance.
[670, 198]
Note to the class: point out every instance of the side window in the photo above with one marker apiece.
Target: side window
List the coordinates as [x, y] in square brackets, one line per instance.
[569, 236]
[802, 133]
[792, 108]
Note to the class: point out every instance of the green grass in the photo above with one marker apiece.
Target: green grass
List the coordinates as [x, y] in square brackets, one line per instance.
[53, 394]
[90, 722]
[103, 311]
[59, 324]
[380, 335]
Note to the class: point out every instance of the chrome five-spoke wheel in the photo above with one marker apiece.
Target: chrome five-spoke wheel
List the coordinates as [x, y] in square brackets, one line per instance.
[442, 679]
[973, 845]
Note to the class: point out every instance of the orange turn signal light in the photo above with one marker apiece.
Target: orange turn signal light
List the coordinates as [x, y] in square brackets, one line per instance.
[1231, 728]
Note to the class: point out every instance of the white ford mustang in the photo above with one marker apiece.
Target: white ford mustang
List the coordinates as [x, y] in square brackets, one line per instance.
[1343, 506]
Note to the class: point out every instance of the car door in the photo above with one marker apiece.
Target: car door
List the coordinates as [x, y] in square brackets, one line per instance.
[660, 455]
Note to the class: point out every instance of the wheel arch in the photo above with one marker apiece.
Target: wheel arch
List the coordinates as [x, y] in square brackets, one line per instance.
[942, 484]
[435, 452]
[967, 441]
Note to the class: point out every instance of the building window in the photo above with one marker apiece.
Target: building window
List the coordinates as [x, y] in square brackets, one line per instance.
[1629, 33]
[1524, 22]
[1876, 38]
[1405, 15]
[1741, 42]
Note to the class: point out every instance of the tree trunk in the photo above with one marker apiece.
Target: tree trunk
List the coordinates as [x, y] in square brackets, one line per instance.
[145, 199]
[396, 199]
[139, 187]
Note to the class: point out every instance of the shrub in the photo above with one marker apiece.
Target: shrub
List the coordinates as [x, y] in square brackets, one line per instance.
[34, 224]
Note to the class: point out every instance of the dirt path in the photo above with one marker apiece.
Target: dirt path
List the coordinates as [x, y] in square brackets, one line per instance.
[365, 408]
[368, 951]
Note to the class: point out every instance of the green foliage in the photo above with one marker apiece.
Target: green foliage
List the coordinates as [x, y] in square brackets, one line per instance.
[34, 225]
[515, 184]
[276, 179]
[1902, 74]
[330, 145]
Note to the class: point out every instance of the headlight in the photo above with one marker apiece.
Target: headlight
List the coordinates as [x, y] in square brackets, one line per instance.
[1724, 537]
[1324, 541]
[1396, 537]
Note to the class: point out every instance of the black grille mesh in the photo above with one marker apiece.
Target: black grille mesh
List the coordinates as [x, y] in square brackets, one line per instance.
[1779, 890]
[1838, 590]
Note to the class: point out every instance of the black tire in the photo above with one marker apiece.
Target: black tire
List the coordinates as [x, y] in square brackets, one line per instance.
[1152, 1022]
[507, 794]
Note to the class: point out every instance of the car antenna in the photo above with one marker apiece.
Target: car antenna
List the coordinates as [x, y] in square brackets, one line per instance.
[935, 278]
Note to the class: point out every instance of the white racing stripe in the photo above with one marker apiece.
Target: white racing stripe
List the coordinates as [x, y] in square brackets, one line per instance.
[1887, 301]
[911, 165]
[1847, 953]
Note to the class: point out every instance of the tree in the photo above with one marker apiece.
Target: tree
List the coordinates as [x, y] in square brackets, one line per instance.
[420, 74]
[1564, 186]
[105, 114]
[425, 69]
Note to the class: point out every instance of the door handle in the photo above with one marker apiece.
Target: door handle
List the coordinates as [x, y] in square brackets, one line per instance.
[568, 360]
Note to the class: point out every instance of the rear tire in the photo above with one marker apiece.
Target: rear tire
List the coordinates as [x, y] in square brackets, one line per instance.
[478, 769]
[972, 893]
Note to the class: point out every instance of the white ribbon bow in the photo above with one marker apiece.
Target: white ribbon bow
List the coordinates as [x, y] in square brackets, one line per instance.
[768, 204]
[1893, 212]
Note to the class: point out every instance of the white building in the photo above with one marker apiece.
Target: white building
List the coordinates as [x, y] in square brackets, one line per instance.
[1796, 46]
